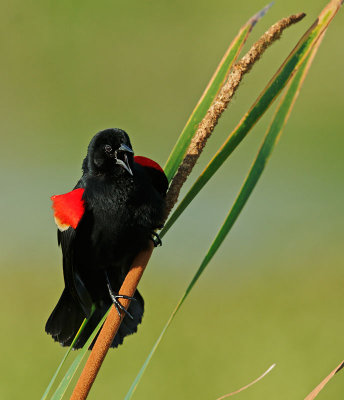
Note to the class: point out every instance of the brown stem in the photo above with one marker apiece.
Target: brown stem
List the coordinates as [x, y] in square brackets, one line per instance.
[110, 327]
[322, 384]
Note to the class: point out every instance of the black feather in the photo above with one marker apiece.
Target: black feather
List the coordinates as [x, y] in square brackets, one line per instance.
[121, 212]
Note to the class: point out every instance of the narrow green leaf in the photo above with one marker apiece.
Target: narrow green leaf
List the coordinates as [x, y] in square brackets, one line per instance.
[63, 386]
[270, 140]
[47, 390]
[260, 106]
[258, 166]
[209, 94]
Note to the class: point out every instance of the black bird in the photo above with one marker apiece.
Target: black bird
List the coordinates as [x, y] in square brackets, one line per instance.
[109, 217]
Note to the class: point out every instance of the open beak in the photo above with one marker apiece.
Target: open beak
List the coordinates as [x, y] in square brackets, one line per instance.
[125, 162]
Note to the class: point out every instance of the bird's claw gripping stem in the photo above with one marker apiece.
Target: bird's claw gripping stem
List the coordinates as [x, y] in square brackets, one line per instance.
[115, 297]
[119, 306]
[156, 239]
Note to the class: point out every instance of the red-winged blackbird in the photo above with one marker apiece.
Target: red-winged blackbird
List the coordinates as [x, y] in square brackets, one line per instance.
[107, 219]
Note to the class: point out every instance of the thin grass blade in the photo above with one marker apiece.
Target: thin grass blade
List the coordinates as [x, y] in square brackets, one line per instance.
[209, 94]
[47, 390]
[260, 106]
[279, 120]
[249, 384]
[63, 386]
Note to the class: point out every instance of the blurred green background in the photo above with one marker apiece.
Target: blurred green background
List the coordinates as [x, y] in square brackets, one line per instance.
[274, 291]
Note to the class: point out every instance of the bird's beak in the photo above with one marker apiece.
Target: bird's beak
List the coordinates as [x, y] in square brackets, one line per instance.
[124, 147]
[125, 163]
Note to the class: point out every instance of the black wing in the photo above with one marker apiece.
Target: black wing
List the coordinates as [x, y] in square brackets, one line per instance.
[73, 283]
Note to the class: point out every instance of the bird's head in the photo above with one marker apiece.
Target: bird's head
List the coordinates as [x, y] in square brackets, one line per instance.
[109, 152]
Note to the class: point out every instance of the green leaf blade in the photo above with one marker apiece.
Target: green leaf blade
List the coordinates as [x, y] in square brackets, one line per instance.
[213, 87]
[261, 160]
[63, 386]
[47, 390]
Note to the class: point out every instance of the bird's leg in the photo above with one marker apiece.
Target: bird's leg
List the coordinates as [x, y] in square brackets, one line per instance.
[115, 297]
[156, 239]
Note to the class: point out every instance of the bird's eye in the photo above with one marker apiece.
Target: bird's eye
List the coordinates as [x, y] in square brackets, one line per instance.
[108, 148]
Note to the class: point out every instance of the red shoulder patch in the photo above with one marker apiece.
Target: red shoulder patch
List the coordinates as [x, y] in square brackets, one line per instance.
[68, 209]
[147, 162]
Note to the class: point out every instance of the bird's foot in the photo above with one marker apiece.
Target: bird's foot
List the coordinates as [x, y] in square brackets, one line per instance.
[118, 305]
[115, 297]
[156, 239]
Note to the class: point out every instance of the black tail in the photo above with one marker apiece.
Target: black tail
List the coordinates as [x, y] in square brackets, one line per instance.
[65, 321]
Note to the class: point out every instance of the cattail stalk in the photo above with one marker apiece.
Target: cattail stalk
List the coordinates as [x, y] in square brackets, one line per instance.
[110, 327]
